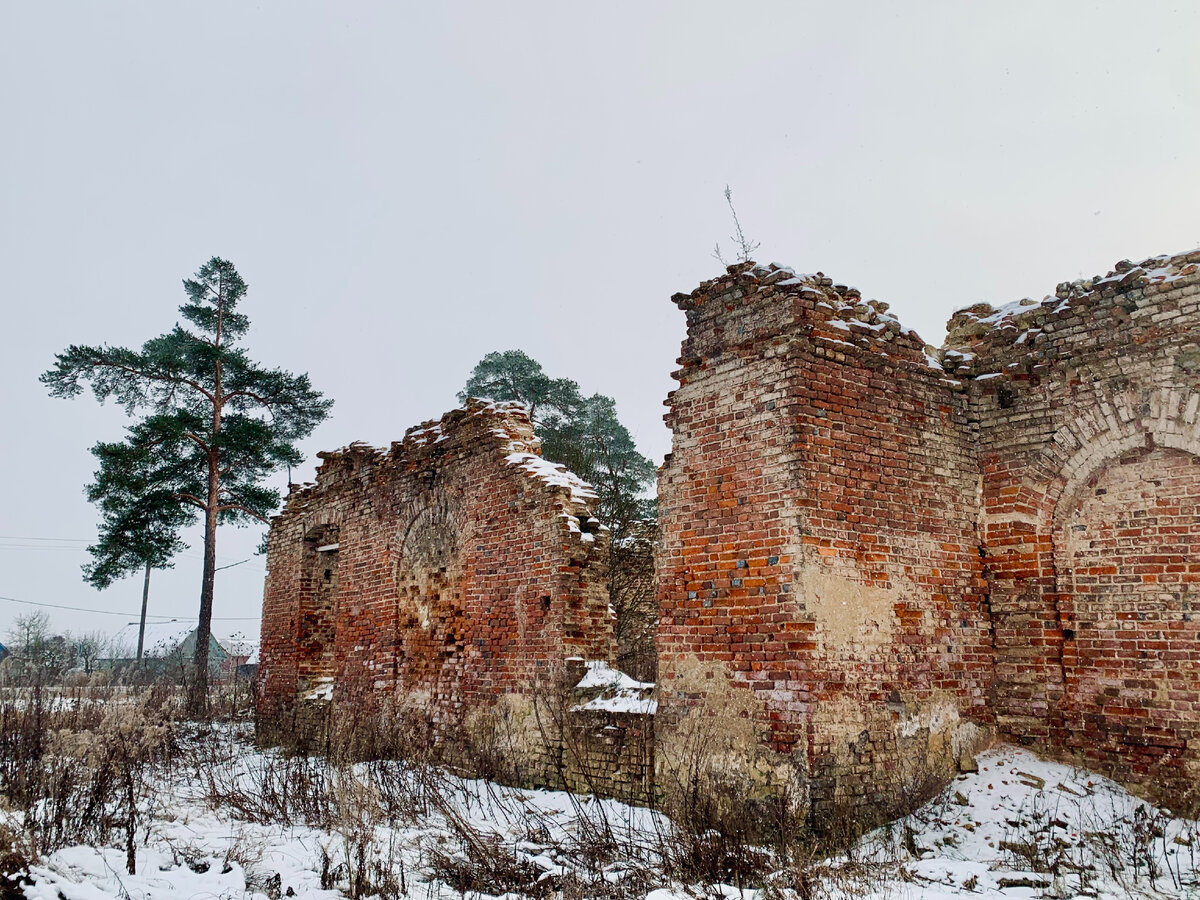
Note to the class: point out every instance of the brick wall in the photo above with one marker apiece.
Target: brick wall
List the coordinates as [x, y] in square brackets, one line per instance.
[877, 554]
[819, 552]
[1085, 405]
[870, 556]
[447, 572]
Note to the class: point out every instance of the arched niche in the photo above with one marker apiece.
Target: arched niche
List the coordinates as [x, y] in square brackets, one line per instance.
[1126, 537]
[430, 582]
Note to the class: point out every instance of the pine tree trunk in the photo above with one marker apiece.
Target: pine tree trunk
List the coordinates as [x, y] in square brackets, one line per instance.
[198, 690]
[198, 694]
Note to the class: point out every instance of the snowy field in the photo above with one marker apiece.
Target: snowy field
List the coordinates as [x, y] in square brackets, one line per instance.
[212, 827]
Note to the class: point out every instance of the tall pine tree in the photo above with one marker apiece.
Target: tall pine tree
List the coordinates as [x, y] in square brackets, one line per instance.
[582, 433]
[210, 426]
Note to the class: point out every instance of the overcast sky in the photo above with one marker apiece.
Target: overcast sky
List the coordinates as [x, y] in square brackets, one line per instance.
[407, 187]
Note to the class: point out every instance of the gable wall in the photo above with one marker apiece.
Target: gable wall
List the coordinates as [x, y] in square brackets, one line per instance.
[463, 574]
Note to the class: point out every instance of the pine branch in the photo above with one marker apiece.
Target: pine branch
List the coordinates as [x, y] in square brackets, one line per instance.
[197, 440]
[238, 507]
[85, 362]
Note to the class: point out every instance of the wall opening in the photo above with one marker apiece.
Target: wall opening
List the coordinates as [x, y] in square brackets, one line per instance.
[430, 586]
[316, 661]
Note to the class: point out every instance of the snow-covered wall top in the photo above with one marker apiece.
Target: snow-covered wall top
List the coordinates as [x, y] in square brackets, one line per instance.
[984, 330]
[506, 423]
[810, 305]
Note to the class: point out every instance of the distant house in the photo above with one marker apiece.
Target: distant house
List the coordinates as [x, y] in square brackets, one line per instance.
[166, 646]
[249, 668]
[243, 657]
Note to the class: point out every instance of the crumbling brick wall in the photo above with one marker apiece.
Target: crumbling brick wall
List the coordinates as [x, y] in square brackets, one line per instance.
[1085, 405]
[869, 557]
[450, 571]
[865, 548]
[819, 571]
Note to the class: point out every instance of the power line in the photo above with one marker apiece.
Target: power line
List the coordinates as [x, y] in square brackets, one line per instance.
[46, 543]
[14, 537]
[5, 545]
[103, 612]
[111, 612]
[63, 544]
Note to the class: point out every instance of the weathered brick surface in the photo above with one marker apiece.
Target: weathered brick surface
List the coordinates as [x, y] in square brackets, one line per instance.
[453, 569]
[818, 514]
[1085, 406]
[870, 558]
[890, 553]
[610, 753]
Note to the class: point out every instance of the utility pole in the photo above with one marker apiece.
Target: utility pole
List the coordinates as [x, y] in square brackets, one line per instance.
[142, 623]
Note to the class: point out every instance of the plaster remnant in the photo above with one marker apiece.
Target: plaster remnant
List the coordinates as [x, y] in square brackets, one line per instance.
[850, 614]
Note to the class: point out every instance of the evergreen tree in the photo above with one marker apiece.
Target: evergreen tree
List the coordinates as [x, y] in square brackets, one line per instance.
[594, 444]
[140, 515]
[140, 520]
[582, 433]
[211, 426]
[512, 375]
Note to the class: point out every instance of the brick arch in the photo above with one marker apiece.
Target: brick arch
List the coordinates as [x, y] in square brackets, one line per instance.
[430, 575]
[1029, 614]
[1121, 518]
[1127, 556]
[1119, 422]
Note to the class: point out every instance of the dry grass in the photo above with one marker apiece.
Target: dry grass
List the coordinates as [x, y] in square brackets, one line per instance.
[77, 768]
[83, 767]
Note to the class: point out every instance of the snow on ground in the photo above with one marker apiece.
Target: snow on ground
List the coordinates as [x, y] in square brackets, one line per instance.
[1020, 827]
[1026, 827]
[449, 829]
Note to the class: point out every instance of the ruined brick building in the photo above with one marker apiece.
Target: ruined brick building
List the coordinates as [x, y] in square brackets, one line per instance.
[873, 557]
[405, 570]
[456, 573]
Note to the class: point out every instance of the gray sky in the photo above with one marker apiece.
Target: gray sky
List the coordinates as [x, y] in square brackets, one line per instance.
[406, 187]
